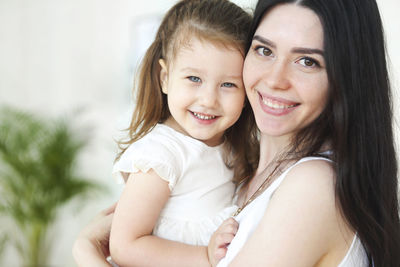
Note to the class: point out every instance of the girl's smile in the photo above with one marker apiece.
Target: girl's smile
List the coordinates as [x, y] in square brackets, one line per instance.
[205, 90]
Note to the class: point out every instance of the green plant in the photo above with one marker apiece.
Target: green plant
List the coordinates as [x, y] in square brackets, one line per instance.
[38, 175]
[3, 240]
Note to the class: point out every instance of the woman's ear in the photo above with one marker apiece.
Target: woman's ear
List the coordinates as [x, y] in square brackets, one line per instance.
[163, 76]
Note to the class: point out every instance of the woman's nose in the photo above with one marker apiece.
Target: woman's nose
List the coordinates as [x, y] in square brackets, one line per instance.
[277, 76]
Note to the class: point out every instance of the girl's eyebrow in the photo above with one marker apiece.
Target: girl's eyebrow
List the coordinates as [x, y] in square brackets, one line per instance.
[298, 50]
[237, 77]
[233, 77]
[190, 69]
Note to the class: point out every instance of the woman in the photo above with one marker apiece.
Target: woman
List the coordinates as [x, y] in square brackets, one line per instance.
[337, 106]
[325, 189]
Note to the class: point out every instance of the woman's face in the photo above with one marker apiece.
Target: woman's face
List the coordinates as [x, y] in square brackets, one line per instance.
[284, 71]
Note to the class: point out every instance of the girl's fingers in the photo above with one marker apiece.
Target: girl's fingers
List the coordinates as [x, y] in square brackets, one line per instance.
[228, 226]
[220, 253]
[224, 239]
[230, 220]
[110, 209]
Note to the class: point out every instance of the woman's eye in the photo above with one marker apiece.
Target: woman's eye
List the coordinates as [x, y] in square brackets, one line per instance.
[194, 79]
[308, 62]
[263, 51]
[228, 85]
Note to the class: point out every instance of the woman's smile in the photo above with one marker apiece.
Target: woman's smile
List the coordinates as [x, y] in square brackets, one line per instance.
[276, 106]
[284, 73]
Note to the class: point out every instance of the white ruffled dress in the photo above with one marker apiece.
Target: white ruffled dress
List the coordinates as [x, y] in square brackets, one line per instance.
[200, 183]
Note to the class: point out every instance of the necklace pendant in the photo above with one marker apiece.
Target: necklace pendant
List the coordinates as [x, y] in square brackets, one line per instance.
[237, 212]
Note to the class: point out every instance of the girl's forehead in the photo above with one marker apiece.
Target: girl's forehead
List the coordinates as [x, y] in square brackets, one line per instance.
[185, 37]
[208, 57]
[193, 43]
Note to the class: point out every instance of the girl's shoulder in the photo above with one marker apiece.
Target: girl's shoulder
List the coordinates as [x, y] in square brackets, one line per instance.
[160, 137]
[157, 150]
[159, 133]
[166, 136]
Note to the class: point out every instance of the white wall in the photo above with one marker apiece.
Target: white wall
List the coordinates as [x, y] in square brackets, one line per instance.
[391, 21]
[60, 55]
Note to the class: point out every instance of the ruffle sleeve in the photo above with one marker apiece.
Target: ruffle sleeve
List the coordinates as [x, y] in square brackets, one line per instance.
[143, 156]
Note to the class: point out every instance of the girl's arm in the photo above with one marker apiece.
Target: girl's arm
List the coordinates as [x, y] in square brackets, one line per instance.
[131, 241]
[302, 223]
[91, 246]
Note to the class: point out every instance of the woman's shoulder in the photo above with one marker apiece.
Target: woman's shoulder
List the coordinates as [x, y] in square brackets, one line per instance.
[308, 190]
[301, 219]
[316, 169]
[312, 181]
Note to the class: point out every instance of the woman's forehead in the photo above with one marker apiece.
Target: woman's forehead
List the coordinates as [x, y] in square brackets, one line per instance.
[292, 22]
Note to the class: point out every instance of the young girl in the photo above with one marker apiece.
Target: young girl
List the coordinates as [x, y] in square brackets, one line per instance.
[190, 134]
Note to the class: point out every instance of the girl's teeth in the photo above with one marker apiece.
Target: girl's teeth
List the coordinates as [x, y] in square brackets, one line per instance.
[203, 117]
[276, 105]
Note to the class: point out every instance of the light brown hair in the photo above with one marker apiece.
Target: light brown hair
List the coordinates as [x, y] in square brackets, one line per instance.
[217, 21]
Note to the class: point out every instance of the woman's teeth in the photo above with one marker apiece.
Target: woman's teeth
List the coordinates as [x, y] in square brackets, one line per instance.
[203, 117]
[276, 105]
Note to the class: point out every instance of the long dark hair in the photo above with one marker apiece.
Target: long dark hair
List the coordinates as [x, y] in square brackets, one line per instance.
[356, 122]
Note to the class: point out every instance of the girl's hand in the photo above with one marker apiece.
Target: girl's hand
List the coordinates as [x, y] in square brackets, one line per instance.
[221, 238]
[91, 246]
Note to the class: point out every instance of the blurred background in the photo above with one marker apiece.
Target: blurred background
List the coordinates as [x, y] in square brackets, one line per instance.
[72, 63]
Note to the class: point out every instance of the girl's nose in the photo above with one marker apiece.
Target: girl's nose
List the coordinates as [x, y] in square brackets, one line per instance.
[208, 95]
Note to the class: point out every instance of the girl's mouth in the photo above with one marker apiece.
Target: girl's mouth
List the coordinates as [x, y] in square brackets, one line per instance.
[202, 116]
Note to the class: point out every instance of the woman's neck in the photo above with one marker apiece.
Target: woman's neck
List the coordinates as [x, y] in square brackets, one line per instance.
[270, 148]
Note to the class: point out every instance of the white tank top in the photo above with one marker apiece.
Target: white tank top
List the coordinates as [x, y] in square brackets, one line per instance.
[250, 217]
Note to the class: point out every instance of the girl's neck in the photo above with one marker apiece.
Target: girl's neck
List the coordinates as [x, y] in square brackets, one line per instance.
[171, 122]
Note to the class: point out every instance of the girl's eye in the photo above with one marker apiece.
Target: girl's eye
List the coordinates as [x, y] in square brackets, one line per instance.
[263, 51]
[228, 85]
[309, 62]
[194, 79]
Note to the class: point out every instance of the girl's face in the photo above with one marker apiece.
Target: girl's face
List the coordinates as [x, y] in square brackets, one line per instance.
[205, 90]
[284, 71]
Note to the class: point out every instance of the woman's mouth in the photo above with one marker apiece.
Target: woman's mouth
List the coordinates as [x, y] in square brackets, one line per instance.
[277, 106]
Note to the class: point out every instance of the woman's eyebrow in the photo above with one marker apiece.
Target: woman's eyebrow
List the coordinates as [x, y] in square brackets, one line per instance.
[303, 50]
[264, 41]
[298, 50]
